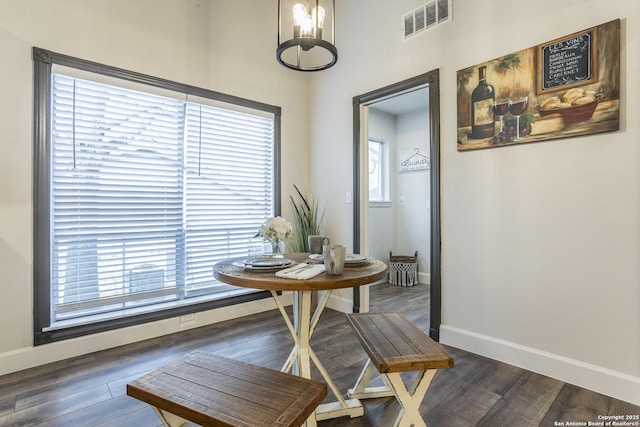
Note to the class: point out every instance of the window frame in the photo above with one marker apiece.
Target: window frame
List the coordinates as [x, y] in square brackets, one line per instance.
[43, 61]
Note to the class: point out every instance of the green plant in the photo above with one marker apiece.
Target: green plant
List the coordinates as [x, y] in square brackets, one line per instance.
[308, 220]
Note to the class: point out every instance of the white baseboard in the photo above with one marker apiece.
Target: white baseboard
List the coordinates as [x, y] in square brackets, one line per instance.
[338, 303]
[424, 278]
[602, 380]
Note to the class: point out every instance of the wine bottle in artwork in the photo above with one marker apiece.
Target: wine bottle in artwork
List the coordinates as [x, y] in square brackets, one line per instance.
[482, 115]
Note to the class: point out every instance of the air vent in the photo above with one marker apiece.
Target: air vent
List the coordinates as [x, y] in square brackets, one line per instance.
[418, 17]
[426, 17]
[444, 6]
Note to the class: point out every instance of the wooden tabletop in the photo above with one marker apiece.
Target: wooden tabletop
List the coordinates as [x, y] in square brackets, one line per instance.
[354, 276]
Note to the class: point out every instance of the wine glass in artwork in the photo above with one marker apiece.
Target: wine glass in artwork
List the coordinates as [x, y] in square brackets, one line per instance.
[500, 109]
[516, 108]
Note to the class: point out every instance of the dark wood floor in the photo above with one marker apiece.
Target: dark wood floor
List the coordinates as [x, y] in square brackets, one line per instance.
[90, 390]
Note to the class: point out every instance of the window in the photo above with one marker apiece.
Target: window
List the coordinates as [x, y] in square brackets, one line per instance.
[141, 186]
[378, 171]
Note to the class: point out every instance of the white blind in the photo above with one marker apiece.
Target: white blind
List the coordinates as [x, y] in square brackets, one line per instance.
[148, 193]
[229, 170]
[375, 171]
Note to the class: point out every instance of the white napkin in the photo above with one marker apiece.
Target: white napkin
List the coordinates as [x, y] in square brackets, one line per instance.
[301, 271]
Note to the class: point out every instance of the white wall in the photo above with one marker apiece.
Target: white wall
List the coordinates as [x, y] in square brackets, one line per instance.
[540, 242]
[414, 214]
[187, 41]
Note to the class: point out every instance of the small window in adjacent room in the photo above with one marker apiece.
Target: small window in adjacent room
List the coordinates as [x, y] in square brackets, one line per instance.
[378, 171]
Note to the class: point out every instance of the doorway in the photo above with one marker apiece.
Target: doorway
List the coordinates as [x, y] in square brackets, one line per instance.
[426, 85]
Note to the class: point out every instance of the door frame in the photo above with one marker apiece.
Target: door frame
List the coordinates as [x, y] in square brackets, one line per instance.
[432, 80]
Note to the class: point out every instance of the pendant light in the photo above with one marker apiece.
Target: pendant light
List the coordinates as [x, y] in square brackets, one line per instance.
[306, 23]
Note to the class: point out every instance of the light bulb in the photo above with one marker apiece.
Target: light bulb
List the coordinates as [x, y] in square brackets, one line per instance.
[320, 16]
[320, 21]
[307, 27]
[299, 15]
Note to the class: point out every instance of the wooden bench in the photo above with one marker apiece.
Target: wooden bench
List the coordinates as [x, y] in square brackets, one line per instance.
[396, 345]
[212, 390]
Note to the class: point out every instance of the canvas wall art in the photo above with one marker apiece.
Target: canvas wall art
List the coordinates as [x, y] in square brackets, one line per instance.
[566, 87]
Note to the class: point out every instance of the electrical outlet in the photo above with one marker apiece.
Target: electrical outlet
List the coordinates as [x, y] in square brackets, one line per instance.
[348, 197]
[188, 318]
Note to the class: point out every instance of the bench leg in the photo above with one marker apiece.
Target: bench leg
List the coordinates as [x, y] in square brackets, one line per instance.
[170, 420]
[410, 401]
[361, 390]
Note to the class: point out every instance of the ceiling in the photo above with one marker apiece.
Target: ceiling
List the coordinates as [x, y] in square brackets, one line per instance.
[405, 102]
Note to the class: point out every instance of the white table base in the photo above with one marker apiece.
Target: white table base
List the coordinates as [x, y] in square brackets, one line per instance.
[301, 356]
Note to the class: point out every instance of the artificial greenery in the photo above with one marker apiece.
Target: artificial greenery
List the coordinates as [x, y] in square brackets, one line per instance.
[308, 220]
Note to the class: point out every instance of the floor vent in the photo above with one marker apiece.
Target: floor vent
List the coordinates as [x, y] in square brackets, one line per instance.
[426, 17]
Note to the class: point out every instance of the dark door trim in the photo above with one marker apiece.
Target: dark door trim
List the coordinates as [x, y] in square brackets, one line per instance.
[432, 80]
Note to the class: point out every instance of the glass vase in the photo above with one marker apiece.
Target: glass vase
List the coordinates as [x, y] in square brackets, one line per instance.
[276, 248]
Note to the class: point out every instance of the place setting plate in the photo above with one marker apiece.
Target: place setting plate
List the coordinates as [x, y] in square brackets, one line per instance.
[264, 265]
[350, 260]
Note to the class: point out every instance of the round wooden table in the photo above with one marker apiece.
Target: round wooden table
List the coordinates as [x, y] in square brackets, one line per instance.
[305, 318]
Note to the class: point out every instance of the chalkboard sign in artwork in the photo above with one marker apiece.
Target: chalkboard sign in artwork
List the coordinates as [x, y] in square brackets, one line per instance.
[569, 61]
